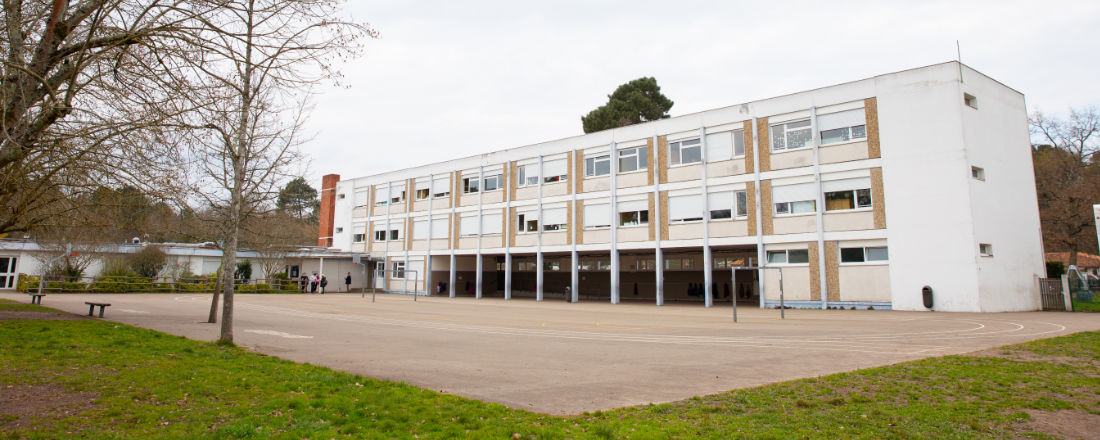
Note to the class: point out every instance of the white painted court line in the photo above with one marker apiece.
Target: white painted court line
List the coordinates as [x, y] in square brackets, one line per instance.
[277, 333]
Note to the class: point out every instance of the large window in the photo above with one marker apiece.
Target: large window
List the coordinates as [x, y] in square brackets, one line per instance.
[381, 234]
[789, 256]
[471, 185]
[420, 229]
[727, 204]
[799, 207]
[863, 254]
[527, 221]
[554, 171]
[527, 175]
[725, 145]
[685, 151]
[441, 187]
[792, 135]
[634, 213]
[597, 216]
[847, 194]
[632, 159]
[597, 166]
[467, 225]
[679, 263]
[842, 127]
[397, 194]
[440, 228]
[360, 199]
[493, 182]
[398, 270]
[358, 238]
[685, 208]
[491, 223]
[423, 188]
[795, 199]
[553, 219]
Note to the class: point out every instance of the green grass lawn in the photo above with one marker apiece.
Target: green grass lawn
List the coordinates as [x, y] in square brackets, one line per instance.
[1093, 306]
[146, 384]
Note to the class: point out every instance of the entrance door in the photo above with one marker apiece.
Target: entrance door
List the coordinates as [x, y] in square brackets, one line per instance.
[7, 272]
[380, 275]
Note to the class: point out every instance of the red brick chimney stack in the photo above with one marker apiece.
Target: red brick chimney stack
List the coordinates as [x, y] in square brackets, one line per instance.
[328, 207]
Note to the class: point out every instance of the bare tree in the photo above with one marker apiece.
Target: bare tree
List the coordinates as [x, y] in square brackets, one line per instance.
[82, 88]
[1067, 178]
[252, 67]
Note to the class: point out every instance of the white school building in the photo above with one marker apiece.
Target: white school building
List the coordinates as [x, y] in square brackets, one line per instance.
[863, 193]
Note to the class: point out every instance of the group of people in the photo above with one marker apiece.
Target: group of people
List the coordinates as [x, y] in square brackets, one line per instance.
[320, 281]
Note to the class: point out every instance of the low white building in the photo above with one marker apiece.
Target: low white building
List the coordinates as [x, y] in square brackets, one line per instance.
[863, 193]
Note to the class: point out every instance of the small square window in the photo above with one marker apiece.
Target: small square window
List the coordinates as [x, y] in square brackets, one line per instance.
[340, 196]
[978, 173]
[339, 230]
[985, 249]
[970, 101]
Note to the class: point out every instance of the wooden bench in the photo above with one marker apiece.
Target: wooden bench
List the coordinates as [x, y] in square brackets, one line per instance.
[92, 306]
[36, 298]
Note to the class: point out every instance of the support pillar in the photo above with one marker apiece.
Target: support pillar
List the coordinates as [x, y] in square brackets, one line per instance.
[538, 276]
[708, 269]
[614, 276]
[574, 272]
[477, 277]
[451, 283]
[508, 276]
[660, 270]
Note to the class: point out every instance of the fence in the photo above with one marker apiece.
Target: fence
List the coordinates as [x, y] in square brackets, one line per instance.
[121, 284]
[1050, 289]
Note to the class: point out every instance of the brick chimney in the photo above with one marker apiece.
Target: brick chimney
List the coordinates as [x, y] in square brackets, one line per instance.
[328, 209]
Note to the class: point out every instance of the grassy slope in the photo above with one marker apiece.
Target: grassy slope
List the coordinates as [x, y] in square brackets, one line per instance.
[154, 385]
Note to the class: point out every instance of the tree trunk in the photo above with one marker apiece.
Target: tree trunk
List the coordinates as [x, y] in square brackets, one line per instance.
[214, 302]
[229, 258]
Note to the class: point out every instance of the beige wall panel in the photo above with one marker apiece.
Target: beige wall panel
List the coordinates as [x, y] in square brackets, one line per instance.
[512, 184]
[496, 196]
[492, 241]
[454, 230]
[395, 246]
[664, 215]
[815, 272]
[870, 110]
[469, 242]
[794, 224]
[379, 246]
[557, 238]
[441, 203]
[578, 210]
[843, 152]
[526, 193]
[422, 205]
[792, 159]
[878, 198]
[685, 173]
[684, 231]
[734, 228]
[832, 275]
[726, 168]
[633, 233]
[749, 153]
[555, 189]
[597, 236]
[602, 183]
[370, 234]
[370, 203]
[359, 212]
[651, 159]
[652, 226]
[764, 139]
[662, 158]
[419, 245]
[848, 221]
[408, 232]
[358, 247]
[766, 208]
[865, 283]
[529, 239]
[796, 283]
[439, 243]
[628, 180]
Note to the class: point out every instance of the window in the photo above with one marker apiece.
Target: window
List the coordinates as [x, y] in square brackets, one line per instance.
[602, 264]
[526, 266]
[553, 219]
[398, 270]
[528, 175]
[360, 199]
[467, 225]
[493, 182]
[842, 127]
[646, 264]
[551, 265]
[340, 196]
[634, 213]
[380, 235]
[791, 135]
[800, 207]
[423, 193]
[632, 159]
[597, 216]
[847, 199]
[420, 229]
[685, 208]
[862, 254]
[587, 265]
[790, 256]
[470, 185]
[985, 249]
[725, 145]
[727, 204]
[970, 101]
[441, 187]
[978, 173]
[397, 196]
[554, 171]
[685, 152]
[358, 238]
[597, 166]
[439, 227]
[339, 230]
[679, 263]
[527, 222]
[423, 188]
[491, 223]
[728, 262]
[395, 234]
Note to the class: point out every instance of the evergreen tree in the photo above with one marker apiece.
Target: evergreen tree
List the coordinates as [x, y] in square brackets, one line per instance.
[632, 103]
[299, 199]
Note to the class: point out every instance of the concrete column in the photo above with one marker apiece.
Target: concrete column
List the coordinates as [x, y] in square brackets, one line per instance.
[574, 272]
[614, 275]
[708, 269]
[538, 273]
[708, 264]
[508, 275]
[819, 216]
[451, 284]
[477, 277]
[660, 262]
[613, 153]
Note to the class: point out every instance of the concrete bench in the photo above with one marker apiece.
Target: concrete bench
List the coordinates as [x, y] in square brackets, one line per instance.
[36, 298]
[92, 306]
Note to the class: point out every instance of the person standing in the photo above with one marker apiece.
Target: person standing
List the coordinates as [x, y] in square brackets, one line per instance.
[347, 283]
[323, 283]
[313, 279]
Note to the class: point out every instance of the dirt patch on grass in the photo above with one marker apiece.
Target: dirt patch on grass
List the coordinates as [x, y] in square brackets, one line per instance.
[29, 315]
[1030, 356]
[24, 406]
[1066, 424]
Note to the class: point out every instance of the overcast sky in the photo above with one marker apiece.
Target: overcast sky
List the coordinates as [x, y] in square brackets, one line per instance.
[450, 79]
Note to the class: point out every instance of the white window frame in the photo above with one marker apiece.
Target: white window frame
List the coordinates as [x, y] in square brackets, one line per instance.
[597, 206]
[397, 270]
[638, 218]
[787, 135]
[555, 178]
[694, 217]
[590, 165]
[471, 185]
[985, 249]
[359, 238]
[978, 173]
[787, 257]
[553, 227]
[447, 187]
[365, 199]
[866, 255]
[525, 220]
[855, 194]
[784, 209]
[639, 157]
[676, 152]
[524, 176]
[496, 179]
[471, 221]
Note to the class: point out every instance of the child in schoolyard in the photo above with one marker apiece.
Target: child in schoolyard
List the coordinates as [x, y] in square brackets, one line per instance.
[347, 283]
[313, 279]
[323, 283]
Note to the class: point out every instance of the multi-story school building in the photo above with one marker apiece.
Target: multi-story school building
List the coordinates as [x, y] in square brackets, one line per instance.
[863, 193]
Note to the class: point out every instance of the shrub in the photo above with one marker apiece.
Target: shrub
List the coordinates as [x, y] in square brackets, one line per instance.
[116, 267]
[1055, 269]
[148, 262]
[244, 271]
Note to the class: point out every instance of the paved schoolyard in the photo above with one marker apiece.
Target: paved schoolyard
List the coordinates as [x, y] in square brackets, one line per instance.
[561, 358]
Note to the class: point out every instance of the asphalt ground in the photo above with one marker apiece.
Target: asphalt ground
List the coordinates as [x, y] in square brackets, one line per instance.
[561, 358]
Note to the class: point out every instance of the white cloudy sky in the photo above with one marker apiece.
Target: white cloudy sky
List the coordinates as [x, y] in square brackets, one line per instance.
[450, 79]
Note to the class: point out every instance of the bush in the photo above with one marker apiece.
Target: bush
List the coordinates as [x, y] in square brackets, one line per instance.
[148, 262]
[116, 268]
[1055, 269]
[244, 271]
